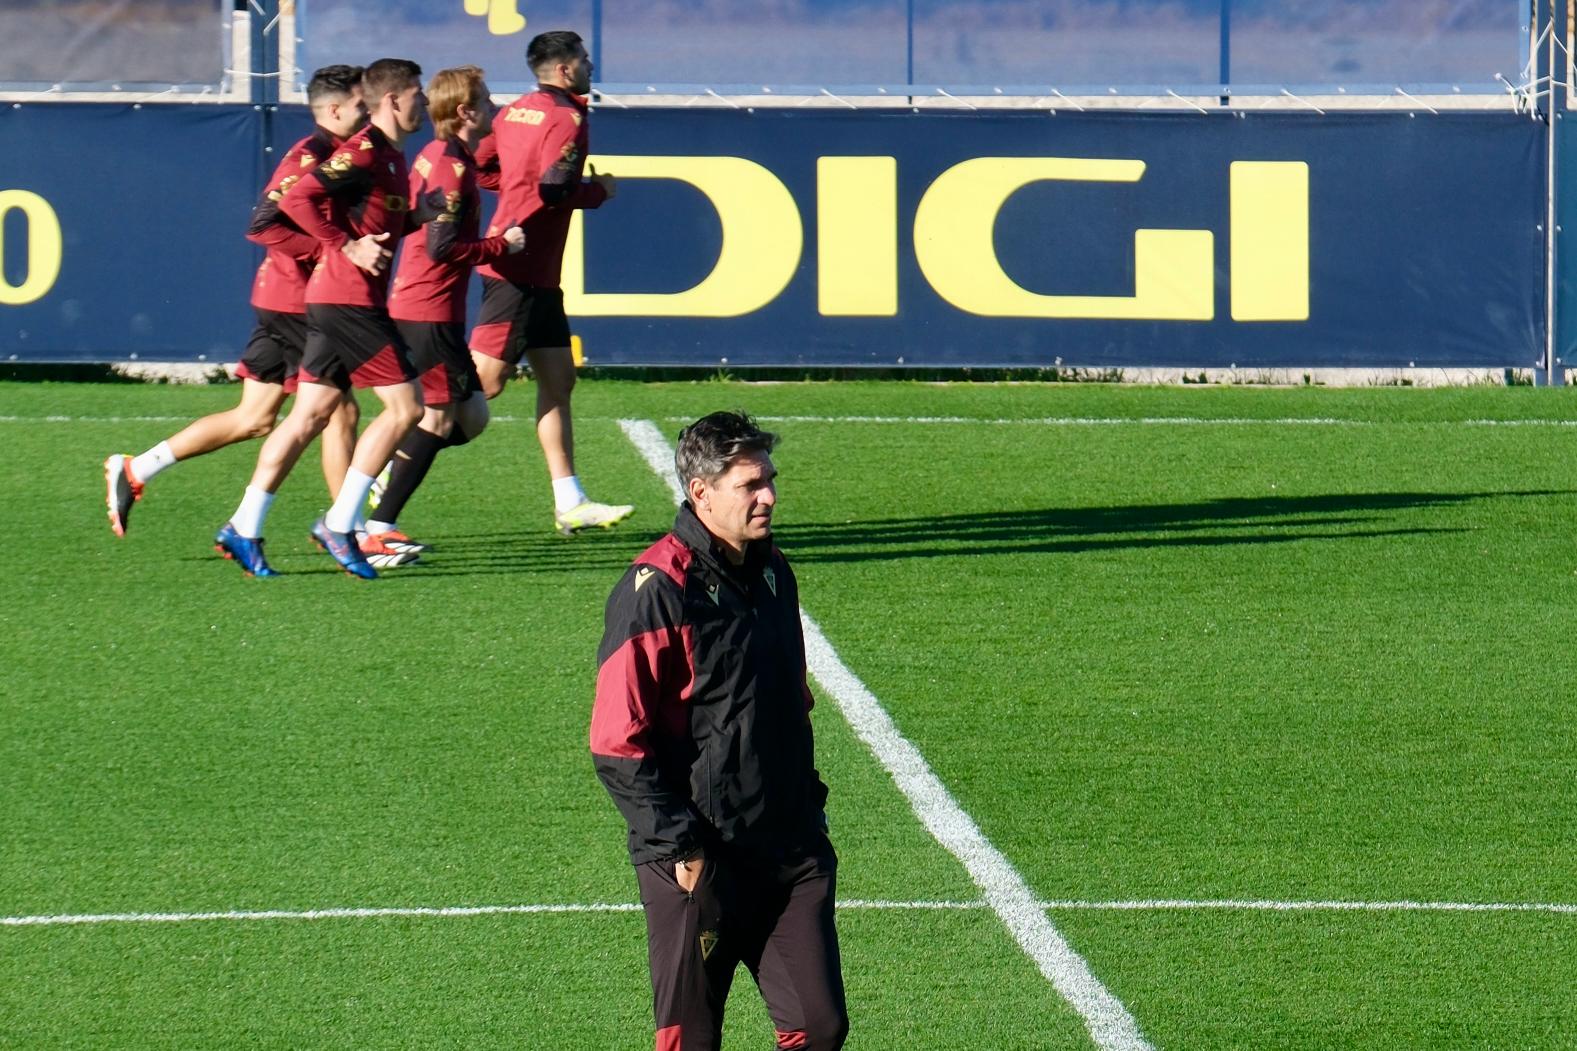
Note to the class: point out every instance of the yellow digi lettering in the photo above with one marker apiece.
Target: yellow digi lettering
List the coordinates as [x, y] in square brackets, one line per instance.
[524, 116]
[762, 241]
[954, 245]
[1270, 240]
[857, 236]
[503, 16]
[45, 247]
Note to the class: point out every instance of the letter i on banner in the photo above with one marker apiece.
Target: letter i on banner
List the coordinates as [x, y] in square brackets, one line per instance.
[857, 236]
[1270, 241]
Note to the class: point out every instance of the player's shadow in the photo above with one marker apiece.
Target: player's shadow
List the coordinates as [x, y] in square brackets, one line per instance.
[605, 552]
[1224, 521]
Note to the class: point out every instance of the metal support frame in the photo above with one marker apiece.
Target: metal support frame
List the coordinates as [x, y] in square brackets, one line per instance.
[1553, 16]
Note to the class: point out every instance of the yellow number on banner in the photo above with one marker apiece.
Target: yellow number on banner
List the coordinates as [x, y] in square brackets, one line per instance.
[503, 16]
[44, 247]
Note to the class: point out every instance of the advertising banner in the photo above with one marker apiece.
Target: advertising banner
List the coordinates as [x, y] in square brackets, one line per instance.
[1088, 239]
[839, 238]
[122, 231]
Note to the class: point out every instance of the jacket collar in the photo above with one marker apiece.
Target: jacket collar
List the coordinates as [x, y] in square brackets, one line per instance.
[376, 136]
[578, 101]
[695, 536]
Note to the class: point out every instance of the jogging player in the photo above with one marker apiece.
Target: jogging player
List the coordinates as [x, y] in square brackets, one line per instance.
[541, 139]
[357, 204]
[427, 301]
[273, 354]
[701, 734]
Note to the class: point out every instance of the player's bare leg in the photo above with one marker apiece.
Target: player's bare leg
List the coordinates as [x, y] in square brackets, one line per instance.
[339, 442]
[493, 372]
[335, 531]
[252, 417]
[315, 405]
[554, 371]
[442, 426]
[241, 538]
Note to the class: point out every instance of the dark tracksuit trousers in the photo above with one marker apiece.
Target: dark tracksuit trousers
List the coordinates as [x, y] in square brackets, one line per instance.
[773, 915]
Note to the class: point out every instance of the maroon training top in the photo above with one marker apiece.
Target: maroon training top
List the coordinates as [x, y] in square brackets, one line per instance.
[436, 261]
[542, 144]
[362, 189]
[281, 282]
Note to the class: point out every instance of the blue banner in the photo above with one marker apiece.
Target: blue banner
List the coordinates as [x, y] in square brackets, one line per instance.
[122, 231]
[1027, 239]
[831, 238]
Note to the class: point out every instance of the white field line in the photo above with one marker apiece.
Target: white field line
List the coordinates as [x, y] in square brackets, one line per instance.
[412, 910]
[1108, 1021]
[1033, 421]
[860, 904]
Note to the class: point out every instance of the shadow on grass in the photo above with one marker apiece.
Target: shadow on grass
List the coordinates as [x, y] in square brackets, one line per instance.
[1226, 521]
[1212, 523]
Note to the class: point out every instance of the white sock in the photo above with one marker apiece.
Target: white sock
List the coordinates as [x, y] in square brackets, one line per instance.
[567, 493]
[352, 494]
[248, 518]
[379, 526]
[150, 463]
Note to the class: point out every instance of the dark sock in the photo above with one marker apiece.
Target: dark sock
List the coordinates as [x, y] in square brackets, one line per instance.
[411, 463]
[456, 437]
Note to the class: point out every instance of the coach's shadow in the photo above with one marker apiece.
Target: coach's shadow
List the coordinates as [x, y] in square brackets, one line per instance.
[1226, 521]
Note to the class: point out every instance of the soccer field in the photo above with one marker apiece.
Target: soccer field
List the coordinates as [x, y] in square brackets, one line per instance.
[1252, 709]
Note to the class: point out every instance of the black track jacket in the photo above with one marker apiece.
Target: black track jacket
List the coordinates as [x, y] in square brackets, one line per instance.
[701, 727]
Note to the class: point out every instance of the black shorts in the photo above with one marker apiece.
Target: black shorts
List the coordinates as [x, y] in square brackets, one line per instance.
[351, 346]
[441, 360]
[518, 318]
[273, 354]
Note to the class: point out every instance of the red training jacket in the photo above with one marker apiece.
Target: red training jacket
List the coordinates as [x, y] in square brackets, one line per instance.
[435, 264]
[542, 142]
[362, 189]
[281, 283]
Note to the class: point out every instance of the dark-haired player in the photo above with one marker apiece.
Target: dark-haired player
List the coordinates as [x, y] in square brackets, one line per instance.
[357, 204]
[428, 298]
[541, 139]
[273, 354]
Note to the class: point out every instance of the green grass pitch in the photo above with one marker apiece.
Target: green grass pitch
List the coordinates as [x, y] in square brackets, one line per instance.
[1307, 646]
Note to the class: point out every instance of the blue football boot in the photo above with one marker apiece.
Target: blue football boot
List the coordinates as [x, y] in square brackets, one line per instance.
[246, 553]
[345, 550]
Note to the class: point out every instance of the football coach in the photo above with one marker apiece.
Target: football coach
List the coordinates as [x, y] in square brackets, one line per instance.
[701, 733]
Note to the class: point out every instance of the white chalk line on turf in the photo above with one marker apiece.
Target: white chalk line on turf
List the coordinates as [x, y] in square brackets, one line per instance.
[1108, 1021]
[451, 911]
[851, 904]
[1028, 421]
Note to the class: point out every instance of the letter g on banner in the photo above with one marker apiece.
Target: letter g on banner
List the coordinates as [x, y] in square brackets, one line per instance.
[44, 247]
[762, 241]
[953, 242]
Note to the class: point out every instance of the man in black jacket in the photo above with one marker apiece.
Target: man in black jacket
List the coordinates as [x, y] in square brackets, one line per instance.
[701, 733]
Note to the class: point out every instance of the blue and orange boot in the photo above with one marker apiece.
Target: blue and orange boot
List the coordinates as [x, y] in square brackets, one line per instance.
[244, 551]
[345, 550]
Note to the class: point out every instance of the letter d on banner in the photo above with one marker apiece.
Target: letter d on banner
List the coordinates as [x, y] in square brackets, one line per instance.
[762, 241]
